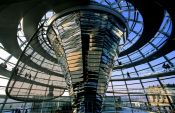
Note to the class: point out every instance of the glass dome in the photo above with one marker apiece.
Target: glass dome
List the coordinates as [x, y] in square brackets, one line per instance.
[142, 72]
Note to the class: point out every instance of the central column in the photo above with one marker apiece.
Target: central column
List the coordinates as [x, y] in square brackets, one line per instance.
[86, 44]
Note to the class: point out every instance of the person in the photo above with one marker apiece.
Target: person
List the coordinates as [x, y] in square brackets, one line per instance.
[119, 63]
[26, 75]
[26, 111]
[166, 66]
[30, 76]
[4, 65]
[17, 111]
[13, 111]
[15, 71]
[128, 75]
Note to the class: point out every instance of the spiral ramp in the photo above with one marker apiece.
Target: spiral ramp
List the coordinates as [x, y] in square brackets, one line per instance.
[142, 78]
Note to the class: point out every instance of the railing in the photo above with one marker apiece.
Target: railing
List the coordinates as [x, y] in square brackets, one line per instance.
[32, 80]
[145, 74]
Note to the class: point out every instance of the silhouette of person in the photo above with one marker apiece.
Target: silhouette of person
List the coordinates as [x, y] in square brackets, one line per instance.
[26, 111]
[166, 66]
[15, 71]
[119, 63]
[26, 75]
[128, 75]
[30, 76]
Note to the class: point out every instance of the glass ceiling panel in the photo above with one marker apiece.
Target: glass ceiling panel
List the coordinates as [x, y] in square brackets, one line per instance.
[155, 43]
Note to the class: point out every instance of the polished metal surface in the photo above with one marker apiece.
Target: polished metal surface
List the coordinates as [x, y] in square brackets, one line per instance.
[86, 45]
